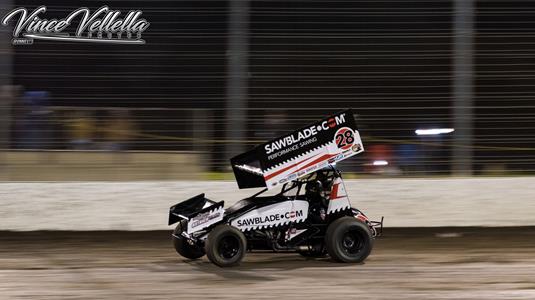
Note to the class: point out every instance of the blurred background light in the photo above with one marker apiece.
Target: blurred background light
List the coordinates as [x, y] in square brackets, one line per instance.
[434, 131]
[380, 163]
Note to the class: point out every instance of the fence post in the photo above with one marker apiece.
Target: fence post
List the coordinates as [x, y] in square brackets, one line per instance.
[237, 68]
[463, 87]
[7, 90]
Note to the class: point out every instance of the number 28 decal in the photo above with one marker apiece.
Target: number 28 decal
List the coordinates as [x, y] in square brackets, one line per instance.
[344, 138]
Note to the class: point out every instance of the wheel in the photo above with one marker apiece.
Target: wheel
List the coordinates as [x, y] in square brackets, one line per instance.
[225, 246]
[348, 240]
[182, 246]
[314, 251]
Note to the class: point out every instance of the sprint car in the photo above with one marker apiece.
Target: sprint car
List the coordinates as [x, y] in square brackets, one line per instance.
[308, 210]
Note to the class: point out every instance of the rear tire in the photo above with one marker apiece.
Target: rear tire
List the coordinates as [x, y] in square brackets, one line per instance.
[182, 246]
[348, 240]
[225, 246]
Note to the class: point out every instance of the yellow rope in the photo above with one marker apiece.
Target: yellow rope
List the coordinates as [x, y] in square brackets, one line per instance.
[392, 141]
[253, 141]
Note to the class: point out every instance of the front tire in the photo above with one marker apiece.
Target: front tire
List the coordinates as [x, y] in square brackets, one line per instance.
[225, 246]
[182, 246]
[348, 240]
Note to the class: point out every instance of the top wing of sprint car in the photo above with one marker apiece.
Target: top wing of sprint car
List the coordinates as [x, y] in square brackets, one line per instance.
[299, 153]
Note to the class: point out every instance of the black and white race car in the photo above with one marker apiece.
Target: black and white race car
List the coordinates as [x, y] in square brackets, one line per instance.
[311, 213]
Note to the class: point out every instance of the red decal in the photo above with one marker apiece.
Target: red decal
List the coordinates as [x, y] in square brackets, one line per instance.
[331, 122]
[285, 169]
[362, 218]
[334, 191]
[318, 160]
[344, 138]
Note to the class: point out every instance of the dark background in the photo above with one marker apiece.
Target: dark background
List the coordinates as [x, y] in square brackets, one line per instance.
[391, 61]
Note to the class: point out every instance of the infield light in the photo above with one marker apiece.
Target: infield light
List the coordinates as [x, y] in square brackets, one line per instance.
[434, 131]
[380, 163]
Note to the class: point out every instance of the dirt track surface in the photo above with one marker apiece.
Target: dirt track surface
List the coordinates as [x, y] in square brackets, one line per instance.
[450, 264]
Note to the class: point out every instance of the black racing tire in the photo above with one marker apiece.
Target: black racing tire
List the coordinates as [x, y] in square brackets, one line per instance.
[225, 246]
[348, 240]
[182, 246]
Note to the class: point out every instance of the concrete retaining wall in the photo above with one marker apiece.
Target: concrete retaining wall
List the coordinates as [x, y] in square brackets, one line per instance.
[144, 205]
[98, 165]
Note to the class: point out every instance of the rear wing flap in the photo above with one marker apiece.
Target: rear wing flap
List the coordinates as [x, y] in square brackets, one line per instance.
[189, 209]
